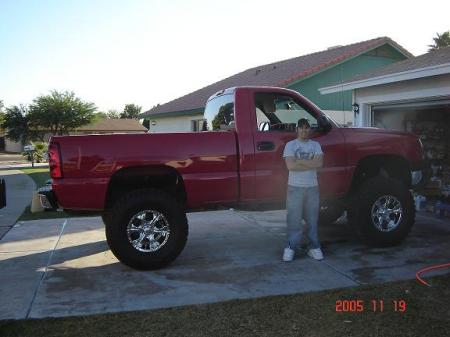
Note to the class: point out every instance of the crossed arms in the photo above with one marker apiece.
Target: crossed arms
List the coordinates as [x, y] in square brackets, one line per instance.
[304, 165]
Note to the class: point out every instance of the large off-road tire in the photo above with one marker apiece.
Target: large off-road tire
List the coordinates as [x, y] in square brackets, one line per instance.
[106, 216]
[146, 229]
[382, 211]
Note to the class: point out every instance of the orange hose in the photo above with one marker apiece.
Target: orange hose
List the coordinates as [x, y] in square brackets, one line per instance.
[427, 269]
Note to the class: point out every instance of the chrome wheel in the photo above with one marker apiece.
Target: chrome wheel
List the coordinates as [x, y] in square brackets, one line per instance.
[148, 231]
[386, 213]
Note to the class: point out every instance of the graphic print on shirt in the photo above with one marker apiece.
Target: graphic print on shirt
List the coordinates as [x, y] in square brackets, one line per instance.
[302, 155]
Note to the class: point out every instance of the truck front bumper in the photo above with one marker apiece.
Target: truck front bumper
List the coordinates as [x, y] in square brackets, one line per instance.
[47, 197]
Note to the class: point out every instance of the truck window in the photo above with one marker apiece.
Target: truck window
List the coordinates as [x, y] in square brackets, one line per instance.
[219, 113]
[275, 112]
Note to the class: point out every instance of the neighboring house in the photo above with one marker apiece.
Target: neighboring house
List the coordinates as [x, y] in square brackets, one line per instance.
[107, 125]
[8, 145]
[413, 96]
[305, 74]
[100, 126]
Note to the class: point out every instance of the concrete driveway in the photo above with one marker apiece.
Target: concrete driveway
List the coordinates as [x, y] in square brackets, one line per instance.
[19, 191]
[63, 267]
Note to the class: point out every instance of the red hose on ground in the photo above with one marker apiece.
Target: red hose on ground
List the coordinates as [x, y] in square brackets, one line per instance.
[427, 269]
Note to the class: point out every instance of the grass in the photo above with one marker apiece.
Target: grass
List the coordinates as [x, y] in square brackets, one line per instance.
[311, 314]
[40, 175]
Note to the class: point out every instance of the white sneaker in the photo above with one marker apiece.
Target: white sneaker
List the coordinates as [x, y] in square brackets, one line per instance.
[316, 254]
[288, 254]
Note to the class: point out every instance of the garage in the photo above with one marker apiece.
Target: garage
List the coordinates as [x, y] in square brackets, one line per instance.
[414, 96]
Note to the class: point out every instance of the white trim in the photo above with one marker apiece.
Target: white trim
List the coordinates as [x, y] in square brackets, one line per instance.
[390, 78]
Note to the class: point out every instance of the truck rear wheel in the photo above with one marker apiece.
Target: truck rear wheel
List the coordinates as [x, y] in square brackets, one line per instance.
[147, 229]
[382, 212]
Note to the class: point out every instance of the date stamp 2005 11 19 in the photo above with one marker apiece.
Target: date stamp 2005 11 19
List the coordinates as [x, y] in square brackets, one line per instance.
[372, 305]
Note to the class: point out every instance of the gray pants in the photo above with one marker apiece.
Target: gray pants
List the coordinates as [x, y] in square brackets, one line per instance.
[302, 203]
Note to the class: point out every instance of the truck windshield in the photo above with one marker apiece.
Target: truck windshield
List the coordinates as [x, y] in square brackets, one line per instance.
[219, 113]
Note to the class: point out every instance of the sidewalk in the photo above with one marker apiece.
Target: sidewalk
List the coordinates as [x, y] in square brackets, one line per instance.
[16, 160]
[19, 190]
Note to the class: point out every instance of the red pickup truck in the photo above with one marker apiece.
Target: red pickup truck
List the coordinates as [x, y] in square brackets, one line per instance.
[144, 183]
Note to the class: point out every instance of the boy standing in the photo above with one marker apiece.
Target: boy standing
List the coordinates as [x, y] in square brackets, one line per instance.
[302, 156]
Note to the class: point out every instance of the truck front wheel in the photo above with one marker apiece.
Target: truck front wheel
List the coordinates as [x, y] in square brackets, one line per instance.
[382, 212]
[146, 229]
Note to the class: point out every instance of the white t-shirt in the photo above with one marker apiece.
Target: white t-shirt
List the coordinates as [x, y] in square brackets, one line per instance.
[302, 150]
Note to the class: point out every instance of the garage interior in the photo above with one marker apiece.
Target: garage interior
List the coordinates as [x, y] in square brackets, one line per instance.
[430, 120]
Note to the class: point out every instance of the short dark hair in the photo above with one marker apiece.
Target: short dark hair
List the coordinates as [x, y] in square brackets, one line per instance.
[303, 122]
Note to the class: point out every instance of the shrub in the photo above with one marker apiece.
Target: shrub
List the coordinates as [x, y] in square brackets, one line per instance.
[40, 152]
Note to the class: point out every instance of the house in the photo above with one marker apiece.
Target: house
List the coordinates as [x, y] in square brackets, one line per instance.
[107, 125]
[414, 96]
[100, 126]
[305, 74]
[8, 145]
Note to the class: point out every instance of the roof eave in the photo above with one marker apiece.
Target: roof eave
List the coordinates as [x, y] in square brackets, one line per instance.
[440, 69]
[301, 77]
[196, 111]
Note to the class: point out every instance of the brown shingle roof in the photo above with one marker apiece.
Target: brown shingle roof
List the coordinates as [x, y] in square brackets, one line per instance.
[279, 73]
[117, 125]
[430, 59]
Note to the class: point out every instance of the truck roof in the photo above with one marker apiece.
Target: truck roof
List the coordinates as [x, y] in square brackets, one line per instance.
[231, 90]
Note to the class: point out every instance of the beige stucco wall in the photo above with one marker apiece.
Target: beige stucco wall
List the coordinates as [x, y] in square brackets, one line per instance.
[11, 146]
[342, 117]
[173, 124]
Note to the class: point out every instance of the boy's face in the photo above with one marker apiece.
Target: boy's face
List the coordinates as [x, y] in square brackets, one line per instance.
[303, 132]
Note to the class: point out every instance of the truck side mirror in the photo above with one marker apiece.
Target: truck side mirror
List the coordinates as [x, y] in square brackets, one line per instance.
[324, 124]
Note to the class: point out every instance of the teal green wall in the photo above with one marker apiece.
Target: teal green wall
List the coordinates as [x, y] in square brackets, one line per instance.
[309, 87]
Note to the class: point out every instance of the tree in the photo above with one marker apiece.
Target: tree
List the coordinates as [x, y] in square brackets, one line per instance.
[440, 41]
[131, 111]
[60, 112]
[113, 114]
[224, 117]
[2, 114]
[17, 125]
[100, 115]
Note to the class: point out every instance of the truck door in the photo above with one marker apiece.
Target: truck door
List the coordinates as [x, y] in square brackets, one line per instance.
[275, 118]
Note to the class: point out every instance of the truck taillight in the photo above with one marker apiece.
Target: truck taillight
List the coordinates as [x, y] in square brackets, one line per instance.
[54, 161]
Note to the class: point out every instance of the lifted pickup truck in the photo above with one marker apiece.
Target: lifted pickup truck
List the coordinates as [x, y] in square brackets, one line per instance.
[144, 183]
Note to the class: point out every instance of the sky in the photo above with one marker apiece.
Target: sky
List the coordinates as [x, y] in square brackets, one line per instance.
[115, 52]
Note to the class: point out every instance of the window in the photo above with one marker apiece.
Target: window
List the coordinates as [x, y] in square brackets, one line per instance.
[197, 125]
[219, 114]
[275, 112]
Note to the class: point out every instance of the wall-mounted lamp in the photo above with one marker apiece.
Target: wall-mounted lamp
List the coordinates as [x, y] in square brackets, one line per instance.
[153, 123]
[355, 108]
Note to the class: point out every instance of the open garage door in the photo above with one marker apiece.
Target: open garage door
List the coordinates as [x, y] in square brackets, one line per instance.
[407, 116]
[430, 120]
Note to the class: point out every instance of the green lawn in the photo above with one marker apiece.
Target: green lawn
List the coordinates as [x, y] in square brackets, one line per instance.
[40, 175]
[312, 314]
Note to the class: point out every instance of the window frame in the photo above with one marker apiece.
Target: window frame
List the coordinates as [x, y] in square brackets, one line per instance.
[292, 97]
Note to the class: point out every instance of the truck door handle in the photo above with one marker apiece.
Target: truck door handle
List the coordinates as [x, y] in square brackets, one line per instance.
[265, 146]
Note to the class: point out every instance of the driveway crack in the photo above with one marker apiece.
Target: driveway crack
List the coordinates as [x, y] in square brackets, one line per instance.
[45, 271]
[342, 273]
